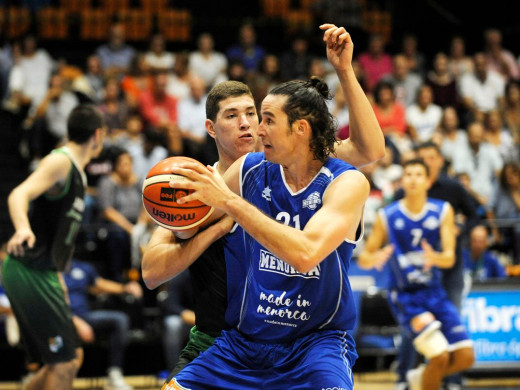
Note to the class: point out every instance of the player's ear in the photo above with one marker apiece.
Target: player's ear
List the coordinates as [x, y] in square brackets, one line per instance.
[210, 128]
[302, 126]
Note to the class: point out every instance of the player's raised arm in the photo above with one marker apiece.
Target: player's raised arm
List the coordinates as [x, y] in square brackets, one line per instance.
[366, 142]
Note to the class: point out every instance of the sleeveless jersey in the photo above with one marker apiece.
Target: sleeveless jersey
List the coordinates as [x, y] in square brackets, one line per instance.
[280, 304]
[405, 232]
[218, 279]
[55, 221]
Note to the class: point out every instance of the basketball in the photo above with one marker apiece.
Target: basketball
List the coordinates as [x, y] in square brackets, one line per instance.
[160, 200]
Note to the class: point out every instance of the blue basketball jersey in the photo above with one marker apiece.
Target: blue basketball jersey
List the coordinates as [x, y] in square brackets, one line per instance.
[279, 303]
[405, 232]
[236, 270]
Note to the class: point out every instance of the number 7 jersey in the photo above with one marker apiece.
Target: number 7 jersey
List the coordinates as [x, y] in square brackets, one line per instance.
[406, 231]
[280, 304]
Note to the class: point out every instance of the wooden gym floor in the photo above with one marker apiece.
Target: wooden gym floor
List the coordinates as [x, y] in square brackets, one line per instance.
[363, 381]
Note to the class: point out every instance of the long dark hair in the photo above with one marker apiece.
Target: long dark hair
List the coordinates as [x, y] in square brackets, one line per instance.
[307, 100]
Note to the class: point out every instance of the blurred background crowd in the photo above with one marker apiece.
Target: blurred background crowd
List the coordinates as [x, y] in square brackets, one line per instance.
[434, 73]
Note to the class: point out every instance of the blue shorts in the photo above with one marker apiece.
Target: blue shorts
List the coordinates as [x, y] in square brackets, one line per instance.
[408, 304]
[322, 360]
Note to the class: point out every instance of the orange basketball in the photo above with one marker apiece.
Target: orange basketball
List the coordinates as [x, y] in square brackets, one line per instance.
[159, 198]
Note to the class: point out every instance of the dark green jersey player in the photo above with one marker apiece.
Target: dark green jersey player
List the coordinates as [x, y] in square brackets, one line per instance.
[46, 210]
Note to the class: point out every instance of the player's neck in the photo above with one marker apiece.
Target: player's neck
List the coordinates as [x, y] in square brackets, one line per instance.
[300, 173]
[78, 153]
[415, 203]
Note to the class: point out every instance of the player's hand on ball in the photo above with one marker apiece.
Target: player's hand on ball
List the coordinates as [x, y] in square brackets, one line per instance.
[208, 186]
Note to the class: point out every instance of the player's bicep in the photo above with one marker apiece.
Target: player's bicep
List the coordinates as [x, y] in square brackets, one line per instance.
[52, 169]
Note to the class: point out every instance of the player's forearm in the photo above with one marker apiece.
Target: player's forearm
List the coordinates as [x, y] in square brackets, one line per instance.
[367, 260]
[444, 259]
[18, 205]
[365, 132]
[109, 286]
[287, 243]
[165, 260]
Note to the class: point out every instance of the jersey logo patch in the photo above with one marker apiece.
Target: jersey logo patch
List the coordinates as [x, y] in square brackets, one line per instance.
[312, 201]
[55, 343]
[431, 223]
[266, 194]
[399, 224]
[271, 263]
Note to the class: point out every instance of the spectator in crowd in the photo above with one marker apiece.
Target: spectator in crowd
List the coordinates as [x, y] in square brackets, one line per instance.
[120, 203]
[459, 63]
[511, 110]
[449, 136]
[115, 55]
[416, 59]
[82, 279]
[115, 108]
[246, 49]
[237, 71]
[192, 114]
[157, 58]
[145, 146]
[179, 317]
[295, 61]
[482, 90]
[479, 263]
[137, 80]
[424, 116]
[375, 62]
[391, 116]
[95, 78]
[478, 202]
[30, 75]
[339, 109]
[442, 82]
[499, 59]
[479, 160]
[206, 62]
[387, 175]
[178, 84]
[499, 136]
[158, 107]
[406, 83]
[267, 77]
[50, 118]
[7, 60]
[504, 204]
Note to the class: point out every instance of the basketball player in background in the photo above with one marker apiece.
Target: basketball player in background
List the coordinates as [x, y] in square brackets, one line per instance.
[232, 121]
[421, 241]
[46, 211]
[303, 207]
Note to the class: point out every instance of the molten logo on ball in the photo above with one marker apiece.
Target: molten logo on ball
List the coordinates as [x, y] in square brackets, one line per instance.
[173, 217]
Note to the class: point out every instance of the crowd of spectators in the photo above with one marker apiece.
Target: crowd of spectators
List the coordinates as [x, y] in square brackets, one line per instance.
[154, 104]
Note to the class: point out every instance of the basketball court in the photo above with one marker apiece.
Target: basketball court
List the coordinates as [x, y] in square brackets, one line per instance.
[363, 381]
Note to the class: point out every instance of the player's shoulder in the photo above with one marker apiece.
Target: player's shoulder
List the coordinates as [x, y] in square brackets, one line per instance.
[56, 162]
[438, 204]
